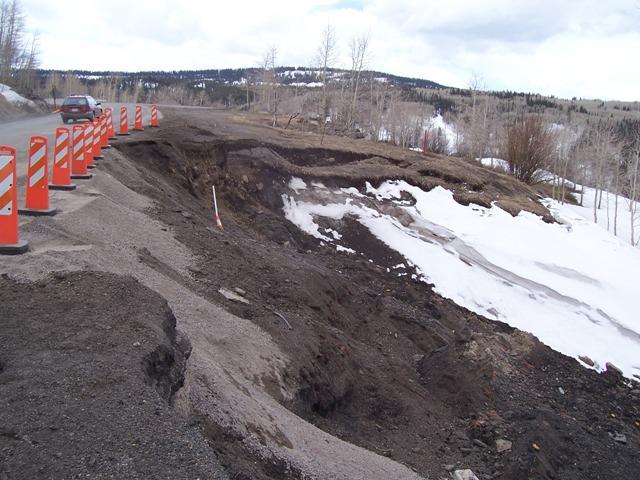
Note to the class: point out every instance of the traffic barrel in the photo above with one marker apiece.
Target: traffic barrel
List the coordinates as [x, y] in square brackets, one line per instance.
[124, 122]
[61, 176]
[96, 150]
[88, 145]
[10, 243]
[37, 197]
[78, 163]
[154, 116]
[138, 120]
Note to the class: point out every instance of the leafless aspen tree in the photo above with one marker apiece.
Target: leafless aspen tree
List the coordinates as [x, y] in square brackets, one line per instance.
[568, 140]
[270, 82]
[359, 50]
[11, 37]
[477, 135]
[633, 171]
[18, 58]
[602, 148]
[326, 58]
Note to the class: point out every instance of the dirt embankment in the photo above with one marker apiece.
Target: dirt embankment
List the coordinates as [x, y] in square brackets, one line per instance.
[14, 111]
[372, 359]
[376, 360]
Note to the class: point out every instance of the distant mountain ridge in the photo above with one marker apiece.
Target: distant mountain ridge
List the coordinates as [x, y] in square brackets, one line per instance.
[302, 75]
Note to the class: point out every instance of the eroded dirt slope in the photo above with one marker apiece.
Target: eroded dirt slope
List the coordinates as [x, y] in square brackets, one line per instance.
[376, 360]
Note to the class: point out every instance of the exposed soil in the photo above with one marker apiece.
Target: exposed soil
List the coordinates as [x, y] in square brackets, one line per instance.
[378, 360]
[90, 362]
[375, 359]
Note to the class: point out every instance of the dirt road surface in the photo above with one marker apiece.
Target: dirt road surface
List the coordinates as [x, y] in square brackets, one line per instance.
[377, 378]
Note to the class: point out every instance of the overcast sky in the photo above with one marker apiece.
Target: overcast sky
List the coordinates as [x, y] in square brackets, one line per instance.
[584, 48]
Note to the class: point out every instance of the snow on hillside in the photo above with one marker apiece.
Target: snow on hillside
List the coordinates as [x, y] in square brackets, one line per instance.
[14, 97]
[606, 213]
[571, 284]
[437, 123]
[495, 163]
[307, 85]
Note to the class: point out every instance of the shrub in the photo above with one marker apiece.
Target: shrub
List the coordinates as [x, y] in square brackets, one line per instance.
[529, 147]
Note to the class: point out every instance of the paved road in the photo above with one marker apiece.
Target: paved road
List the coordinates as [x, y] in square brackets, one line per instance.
[18, 133]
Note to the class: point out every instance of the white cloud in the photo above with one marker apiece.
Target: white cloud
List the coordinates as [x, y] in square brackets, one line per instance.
[585, 48]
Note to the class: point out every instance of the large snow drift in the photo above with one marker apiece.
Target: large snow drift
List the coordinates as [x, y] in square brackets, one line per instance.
[571, 284]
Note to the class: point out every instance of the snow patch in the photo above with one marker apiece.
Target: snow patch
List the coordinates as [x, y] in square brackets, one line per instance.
[495, 163]
[297, 184]
[572, 285]
[13, 97]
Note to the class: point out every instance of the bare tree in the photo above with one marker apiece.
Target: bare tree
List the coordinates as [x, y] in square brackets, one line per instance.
[270, 82]
[359, 50]
[11, 37]
[24, 71]
[379, 99]
[72, 85]
[18, 58]
[248, 84]
[564, 153]
[602, 145]
[567, 154]
[477, 134]
[632, 174]
[52, 87]
[326, 58]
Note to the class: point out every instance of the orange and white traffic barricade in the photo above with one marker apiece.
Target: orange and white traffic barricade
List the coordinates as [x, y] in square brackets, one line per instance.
[138, 120]
[124, 122]
[37, 196]
[111, 134]
[10, 243]
[96, 149]
[104, 134]
[78, 163]
[61, 176]
[154, 116]
[88, 145]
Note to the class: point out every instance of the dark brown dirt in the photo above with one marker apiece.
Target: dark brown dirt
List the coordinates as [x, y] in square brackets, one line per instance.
[86, 383]
[378, 360]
